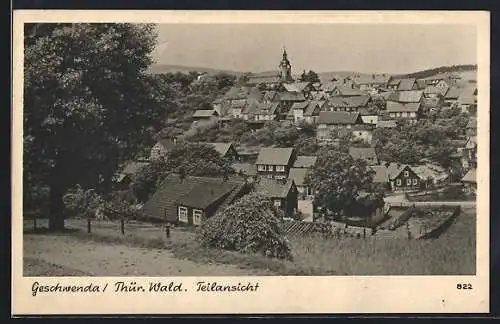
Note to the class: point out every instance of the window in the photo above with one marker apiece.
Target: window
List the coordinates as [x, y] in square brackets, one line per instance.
[269, 168]
[261, 167]
[183, 214]
[270, 176]
[277, 203]
[398, 182]
[407, 174]
[408, 182]
[197, 216]
[280, 168]
[415, 181]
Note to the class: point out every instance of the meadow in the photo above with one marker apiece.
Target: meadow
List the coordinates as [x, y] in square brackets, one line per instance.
[452, 253]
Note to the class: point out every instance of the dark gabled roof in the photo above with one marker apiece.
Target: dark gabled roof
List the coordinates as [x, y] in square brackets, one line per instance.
[406, 84]
[300, 105]
[311, 108]
[272, 188]
[274, 156]
[305, 161]
[349, 102]
[337, 117]
[193, 191]
[364, 153]
[298, 175]
[221, 147]
[266, 108]
[402, 107]
[406, 96]
[205, 113]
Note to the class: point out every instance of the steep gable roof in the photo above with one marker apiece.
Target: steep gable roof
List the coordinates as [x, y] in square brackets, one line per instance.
[274, 156]
[406, 84]
[338, 117]
[300, 105]
[192, 191]
[267, 108]
[272, 188]
[313, 107]
[386, 124]
[436, 90]
[453, 93]
[221, 147]
[248, 169]
[237, 93]
[298, 175]
[305, 161]
[406, 96]
[381, 174]
[291, 96]
[402, 107]
[296, 86]
[349, 91]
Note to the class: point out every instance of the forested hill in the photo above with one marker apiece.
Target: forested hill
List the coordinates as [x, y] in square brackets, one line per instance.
[442, 69]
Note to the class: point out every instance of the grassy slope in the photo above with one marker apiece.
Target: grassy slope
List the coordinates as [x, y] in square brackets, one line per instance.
[452, 253]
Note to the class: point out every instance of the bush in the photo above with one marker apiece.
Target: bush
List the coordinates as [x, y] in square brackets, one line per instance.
[251, 225]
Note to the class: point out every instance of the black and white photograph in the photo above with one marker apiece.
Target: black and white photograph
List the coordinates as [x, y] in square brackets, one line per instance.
[163, 149]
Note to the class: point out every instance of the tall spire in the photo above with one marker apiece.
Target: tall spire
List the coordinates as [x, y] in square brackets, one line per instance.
[285, 67]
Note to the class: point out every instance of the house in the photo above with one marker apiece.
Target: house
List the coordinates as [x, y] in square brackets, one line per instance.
[469, 153]
[404, 84]
[366, 154]
[298, 87]
[451, 97]
[336, 123]
[409, 111]
[226, 150]
[402, 177]
[218, 106]
[204, 114]
[267, 111]
[469, 181]
[283, 194]
[406, 96]
[298, 109]
[349, 104]
[347, 91]
[370, 83]
[468, 101]
[161, 148]
[124, 178]
[421, 84]
[438, 80]
[236, 108]
[434, 91]
[298, 175]
[275, 163]
[189, 200]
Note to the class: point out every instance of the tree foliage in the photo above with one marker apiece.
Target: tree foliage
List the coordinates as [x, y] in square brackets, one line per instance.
[337, 180]
[250, 225]
[88, 104]
[310, 76]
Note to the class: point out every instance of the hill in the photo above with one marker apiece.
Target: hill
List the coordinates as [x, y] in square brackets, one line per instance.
[466, 70]
[165, 68]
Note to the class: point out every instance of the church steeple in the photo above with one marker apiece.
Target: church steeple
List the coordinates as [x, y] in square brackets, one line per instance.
[285, 68]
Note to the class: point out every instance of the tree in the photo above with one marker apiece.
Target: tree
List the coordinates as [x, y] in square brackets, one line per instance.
[250, 225]
[337, 179]
[196, 159]
[88, 104]
[310, 76]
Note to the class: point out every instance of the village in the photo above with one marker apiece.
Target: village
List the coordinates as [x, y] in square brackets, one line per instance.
[189, 172]
[350, 107]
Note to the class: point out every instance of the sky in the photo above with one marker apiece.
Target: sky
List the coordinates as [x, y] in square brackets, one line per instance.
[365, 48]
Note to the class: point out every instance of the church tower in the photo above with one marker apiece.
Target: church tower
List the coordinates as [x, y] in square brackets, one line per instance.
[285, 68]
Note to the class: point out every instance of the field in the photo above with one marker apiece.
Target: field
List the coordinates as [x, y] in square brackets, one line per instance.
[144, 250]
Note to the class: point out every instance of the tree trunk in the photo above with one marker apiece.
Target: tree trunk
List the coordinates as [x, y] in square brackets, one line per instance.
[56, 216]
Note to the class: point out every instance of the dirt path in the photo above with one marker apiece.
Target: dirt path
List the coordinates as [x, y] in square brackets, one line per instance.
[119, 260]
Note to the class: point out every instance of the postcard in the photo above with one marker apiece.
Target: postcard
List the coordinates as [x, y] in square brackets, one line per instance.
[256, 162]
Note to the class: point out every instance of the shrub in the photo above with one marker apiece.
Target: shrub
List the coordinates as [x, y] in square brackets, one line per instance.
[251, 225]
